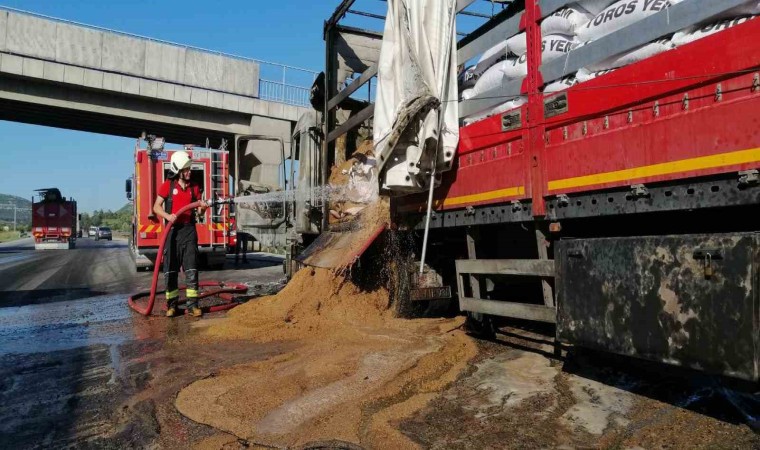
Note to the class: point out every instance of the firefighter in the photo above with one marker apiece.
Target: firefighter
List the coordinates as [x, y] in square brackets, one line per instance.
[242, 246]
[181, 248]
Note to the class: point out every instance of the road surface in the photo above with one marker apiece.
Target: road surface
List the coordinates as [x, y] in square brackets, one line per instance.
[79, 368]
[92, 268]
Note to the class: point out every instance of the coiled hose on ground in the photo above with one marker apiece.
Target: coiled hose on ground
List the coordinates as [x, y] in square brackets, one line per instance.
[226, 290]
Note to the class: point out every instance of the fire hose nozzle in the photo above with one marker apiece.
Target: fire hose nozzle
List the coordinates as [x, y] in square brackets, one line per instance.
[219, 201]
[216, 203]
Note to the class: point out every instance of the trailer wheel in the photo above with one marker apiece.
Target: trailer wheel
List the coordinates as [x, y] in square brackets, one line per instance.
[481, 325]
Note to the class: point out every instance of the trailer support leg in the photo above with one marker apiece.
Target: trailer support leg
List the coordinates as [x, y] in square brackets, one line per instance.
[472, 235]
[543, 254]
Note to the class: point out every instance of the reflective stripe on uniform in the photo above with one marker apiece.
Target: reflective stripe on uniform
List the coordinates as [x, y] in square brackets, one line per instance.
[191, 293]
[172, 294]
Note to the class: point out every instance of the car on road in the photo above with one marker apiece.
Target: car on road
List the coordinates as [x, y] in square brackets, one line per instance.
[92, 232]
[103, 233]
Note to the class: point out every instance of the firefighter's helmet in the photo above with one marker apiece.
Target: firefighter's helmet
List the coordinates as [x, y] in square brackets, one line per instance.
[180, 160]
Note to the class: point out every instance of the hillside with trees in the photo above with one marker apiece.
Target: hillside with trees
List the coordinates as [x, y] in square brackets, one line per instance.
[120, 220]
[23, 213]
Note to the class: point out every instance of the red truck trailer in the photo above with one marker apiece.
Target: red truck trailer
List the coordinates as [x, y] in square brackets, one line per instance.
[623, 208]
[210, 170]
[55, 221]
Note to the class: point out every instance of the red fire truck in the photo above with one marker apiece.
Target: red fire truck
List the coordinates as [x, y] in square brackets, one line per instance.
[210, 170]
[55, 222]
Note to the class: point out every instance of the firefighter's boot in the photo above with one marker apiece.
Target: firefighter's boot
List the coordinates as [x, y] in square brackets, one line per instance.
[171, 303]
[192, 295]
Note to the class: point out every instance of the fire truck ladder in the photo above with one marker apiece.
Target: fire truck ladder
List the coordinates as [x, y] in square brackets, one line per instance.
[219, 182]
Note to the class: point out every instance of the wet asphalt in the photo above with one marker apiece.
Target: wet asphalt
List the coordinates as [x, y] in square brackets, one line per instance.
[78, 368]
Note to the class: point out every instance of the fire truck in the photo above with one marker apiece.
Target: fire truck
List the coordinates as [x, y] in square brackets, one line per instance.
[210, 170]
[621, 208]
[55, 221]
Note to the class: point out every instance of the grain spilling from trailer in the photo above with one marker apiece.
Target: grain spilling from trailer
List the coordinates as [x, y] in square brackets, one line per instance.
[620, 134]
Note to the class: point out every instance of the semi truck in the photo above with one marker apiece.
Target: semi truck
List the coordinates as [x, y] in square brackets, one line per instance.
[55, 220]
[620, 207]
[210, 170]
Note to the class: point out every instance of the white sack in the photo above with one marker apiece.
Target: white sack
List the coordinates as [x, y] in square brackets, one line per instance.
[515, 68]
[417, 59]
[517, 44]
[506, 106]
[692, 34]
[491, 78]
[630, 57]
[553, 45]
[585, 74]
[467, 79]
[594, 6]
[468, 94]
[561, 84]
[620, 15]
[565, 21]
[491, 56]
[511, 104]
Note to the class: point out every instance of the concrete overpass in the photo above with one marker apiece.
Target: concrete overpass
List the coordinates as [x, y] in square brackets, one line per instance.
[69, 75]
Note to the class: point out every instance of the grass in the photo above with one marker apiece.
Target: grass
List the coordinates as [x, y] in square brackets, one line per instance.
[7, 236]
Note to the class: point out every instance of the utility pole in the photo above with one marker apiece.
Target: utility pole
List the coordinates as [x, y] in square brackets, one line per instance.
[15, 213]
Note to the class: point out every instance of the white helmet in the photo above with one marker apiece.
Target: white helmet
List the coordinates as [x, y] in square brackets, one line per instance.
[180, 160]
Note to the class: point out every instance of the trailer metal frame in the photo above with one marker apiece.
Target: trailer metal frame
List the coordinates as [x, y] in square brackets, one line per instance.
[672, 133]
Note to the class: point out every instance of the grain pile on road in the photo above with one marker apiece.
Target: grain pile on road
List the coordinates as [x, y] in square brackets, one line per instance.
[354, 371]
[354, 375]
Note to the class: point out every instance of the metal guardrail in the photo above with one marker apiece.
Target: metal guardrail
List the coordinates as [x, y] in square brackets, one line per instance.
[283, 92]
[276, 90]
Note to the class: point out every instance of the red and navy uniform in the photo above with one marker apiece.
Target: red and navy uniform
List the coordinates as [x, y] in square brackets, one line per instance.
[180, 198]
[181, 248]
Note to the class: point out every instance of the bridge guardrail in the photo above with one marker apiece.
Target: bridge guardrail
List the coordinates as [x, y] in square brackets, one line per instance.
[277, 82]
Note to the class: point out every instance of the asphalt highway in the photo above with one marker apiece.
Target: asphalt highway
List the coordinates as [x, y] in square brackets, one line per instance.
[79, 369]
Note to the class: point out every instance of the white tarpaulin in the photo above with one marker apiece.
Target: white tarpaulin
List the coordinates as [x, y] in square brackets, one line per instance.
[417, 63]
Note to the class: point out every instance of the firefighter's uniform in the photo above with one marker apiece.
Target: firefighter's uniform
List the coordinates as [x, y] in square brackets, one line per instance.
[181, 248]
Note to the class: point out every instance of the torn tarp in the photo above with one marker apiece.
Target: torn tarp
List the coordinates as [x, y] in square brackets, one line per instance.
[416, 81]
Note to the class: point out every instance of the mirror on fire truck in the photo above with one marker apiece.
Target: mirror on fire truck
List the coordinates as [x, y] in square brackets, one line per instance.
[128, 189]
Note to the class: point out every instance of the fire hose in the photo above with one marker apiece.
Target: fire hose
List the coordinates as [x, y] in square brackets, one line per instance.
[226, 291]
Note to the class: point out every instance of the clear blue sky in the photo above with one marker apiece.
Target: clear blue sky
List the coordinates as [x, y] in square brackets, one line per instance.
[92, 167]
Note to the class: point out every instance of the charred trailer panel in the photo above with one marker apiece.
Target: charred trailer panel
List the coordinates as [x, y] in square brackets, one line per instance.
[688, 300]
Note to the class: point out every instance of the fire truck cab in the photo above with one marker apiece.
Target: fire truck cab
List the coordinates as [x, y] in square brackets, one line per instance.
[210, 170]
